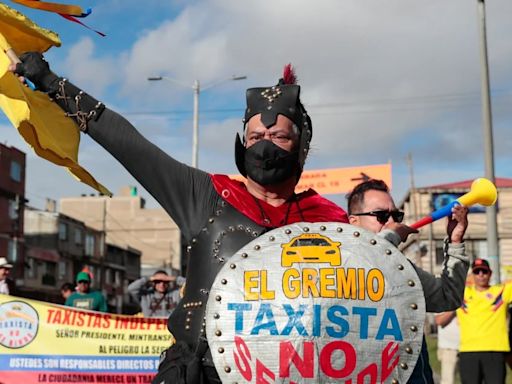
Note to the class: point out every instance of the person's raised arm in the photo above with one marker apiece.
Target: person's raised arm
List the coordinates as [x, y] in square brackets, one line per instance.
[136, 288]
[173, 184]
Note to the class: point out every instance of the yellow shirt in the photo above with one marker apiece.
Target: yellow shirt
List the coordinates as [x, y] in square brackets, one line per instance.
[483, 319]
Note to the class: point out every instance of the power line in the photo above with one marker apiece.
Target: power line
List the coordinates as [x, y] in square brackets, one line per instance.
[443, 101]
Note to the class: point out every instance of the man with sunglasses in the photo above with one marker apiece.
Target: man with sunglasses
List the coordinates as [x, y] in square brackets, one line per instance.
[371, 207]
[483, 328]
[158, 295]
[84, 297]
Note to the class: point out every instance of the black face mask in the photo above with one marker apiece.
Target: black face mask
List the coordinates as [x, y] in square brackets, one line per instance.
[267, 163]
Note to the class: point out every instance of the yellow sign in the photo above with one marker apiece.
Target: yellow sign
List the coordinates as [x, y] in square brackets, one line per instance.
[338, 180]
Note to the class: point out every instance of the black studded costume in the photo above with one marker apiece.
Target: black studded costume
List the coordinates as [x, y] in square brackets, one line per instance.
[216, 215]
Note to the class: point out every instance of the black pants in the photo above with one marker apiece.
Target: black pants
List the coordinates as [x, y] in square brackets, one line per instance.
[422, 373]
[482, 367]
[179, 365]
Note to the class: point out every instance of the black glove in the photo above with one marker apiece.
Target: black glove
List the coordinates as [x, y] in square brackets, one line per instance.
[34, 67]
[78, 105]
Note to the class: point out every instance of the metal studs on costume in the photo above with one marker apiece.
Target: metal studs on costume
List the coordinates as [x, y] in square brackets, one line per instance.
[271, 93]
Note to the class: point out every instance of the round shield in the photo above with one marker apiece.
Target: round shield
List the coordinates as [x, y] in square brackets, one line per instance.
[316, 303]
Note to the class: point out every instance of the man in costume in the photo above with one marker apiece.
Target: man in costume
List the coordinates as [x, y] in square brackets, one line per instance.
[370, 206]
[215, 214]
[84, 297]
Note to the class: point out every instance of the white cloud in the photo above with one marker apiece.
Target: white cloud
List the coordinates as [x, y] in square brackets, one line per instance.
[92, 73]
[380, 79]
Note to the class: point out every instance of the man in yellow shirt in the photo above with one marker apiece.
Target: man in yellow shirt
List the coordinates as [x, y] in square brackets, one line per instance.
[483, 328]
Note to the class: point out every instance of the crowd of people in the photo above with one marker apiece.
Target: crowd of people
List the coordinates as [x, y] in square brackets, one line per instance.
[215, 212]
[157, 295]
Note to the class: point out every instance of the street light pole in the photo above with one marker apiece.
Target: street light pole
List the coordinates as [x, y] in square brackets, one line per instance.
[196, 87]
[195, 129]
[492, 226]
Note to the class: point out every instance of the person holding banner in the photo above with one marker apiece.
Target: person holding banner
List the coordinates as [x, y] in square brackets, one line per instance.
[84, 297]
[158, 295]
[371, 206]
[216, 215]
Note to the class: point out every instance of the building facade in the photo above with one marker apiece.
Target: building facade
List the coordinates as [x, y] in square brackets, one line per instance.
[12, 202]
[127, 223]
[59, 246]
[426, 248]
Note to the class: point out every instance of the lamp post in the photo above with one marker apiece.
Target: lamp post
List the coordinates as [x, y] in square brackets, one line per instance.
[196, 87]
[492, 226]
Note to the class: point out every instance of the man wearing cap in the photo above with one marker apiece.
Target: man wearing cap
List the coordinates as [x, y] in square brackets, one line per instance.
[158, 295]
[216, 215]
[6, 284]
[483, 328]
[84, 297]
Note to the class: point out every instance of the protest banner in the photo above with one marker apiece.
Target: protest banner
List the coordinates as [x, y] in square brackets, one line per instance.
[47, 343]
[316, 303]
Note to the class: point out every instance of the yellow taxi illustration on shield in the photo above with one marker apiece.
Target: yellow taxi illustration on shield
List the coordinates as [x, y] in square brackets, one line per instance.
[311, 248]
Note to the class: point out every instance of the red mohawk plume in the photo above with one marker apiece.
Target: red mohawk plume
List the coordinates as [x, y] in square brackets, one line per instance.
[289, 74]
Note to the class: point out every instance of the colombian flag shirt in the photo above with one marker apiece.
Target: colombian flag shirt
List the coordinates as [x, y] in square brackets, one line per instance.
[483, 319]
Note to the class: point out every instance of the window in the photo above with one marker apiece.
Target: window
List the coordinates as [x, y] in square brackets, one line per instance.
[50, 270]
[78, 236]
[89, 245]
[13, 209]
[12, 251]
[439, 252]
[62, 270]
[30, 271]
[15, 171]
[476, 249]
[63, 231]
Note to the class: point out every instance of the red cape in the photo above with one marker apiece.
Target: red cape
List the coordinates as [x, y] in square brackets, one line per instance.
[311, 206]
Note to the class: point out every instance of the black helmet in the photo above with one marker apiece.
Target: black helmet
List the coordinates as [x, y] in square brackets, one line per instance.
[281, 99]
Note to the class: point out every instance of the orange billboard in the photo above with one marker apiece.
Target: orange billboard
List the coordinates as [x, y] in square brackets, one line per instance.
[339, 180]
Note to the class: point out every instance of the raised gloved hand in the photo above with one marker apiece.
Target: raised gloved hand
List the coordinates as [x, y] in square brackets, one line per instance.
[77, 104]
[34, 67]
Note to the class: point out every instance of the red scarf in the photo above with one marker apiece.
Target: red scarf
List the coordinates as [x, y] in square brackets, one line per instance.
[308, 206]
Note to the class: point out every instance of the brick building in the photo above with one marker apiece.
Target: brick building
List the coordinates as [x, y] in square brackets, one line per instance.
[12, 202]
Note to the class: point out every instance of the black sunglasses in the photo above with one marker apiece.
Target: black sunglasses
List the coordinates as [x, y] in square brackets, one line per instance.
[83, 282]
[478, 271]
[160, 281]
[383, 216]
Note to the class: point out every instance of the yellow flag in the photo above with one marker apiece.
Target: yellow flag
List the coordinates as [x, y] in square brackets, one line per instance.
[41, 122]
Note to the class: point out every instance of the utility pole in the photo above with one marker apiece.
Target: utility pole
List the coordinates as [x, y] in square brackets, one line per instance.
[492, 220]
[195, 136]
[412, 186]
[196, 87]
[16, 228]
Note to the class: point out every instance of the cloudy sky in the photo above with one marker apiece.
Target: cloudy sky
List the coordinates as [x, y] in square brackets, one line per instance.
[380, 79]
